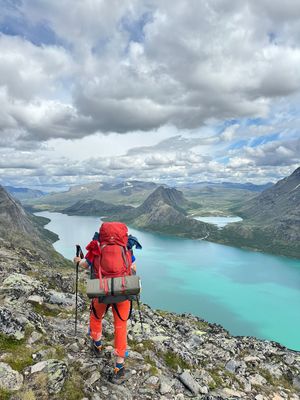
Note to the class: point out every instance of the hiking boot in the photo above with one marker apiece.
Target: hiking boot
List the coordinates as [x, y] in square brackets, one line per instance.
[96, 347]
[119, 375]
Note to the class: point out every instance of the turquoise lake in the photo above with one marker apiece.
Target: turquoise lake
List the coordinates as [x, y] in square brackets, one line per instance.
[246, 292]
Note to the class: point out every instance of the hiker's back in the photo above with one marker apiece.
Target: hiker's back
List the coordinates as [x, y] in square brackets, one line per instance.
[115, 259]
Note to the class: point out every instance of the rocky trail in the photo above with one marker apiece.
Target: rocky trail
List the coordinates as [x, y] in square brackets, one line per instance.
[177, 356]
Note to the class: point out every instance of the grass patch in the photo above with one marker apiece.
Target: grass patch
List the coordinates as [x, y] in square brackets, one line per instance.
[73, 389]
[234, 379]
[153, 370]
[19, 356]
[173, 360]
[218, 382]
[8, 343]
[148, 345]
[73, 386]
[109, 337]
[82, 287]
[58, 352]
[44, 310]
[28, 395]
[5, 394]
[162, 313]
[170, 358]
[202, 326]
[283, 381]
[136, 346]
[150, 361]
[20, 360]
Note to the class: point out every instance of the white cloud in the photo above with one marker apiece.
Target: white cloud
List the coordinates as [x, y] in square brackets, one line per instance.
[165, 75]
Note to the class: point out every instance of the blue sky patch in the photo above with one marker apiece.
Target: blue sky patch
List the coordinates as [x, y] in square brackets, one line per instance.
[135, 28]
[255, 121]
[238, 144]
[263, 139]
[38, 34]
[222, 160]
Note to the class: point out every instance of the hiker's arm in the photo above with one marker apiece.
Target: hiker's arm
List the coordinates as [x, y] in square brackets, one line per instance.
[133, 267]
[82, 262]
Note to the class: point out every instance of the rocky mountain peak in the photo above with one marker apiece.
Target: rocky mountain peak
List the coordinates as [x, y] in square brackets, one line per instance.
[169, 196]
[296, 172]
[12, 214]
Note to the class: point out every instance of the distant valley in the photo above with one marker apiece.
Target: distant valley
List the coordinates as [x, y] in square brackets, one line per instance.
[24, 194]
[270, 213]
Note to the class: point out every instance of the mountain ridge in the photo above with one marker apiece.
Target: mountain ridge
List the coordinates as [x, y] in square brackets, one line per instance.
[164, 210]
[271, 219]
[21, 193]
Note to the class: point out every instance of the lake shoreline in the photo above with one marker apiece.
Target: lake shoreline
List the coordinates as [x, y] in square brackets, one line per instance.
[177, 260]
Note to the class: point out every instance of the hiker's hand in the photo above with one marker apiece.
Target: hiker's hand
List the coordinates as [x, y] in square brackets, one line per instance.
[133, 269]
[81, 261]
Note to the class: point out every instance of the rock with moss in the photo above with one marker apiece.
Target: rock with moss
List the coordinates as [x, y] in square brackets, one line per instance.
[10, 379]
[19, 285]
[56, 372]
[12, 324]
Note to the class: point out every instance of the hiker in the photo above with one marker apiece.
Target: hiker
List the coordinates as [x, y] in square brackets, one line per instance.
[122, 309]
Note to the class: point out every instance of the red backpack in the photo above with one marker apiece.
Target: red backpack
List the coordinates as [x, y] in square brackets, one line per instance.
[115, 259]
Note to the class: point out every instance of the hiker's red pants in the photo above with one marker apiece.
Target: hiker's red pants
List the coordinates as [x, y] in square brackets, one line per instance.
[96, 315]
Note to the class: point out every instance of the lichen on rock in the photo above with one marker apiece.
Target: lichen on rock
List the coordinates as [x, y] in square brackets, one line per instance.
[9, 378]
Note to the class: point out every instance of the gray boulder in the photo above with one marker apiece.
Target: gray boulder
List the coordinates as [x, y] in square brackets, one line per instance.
[12, 324]
[19, 285]
[188, 381]
[9, 378]
[56, 373]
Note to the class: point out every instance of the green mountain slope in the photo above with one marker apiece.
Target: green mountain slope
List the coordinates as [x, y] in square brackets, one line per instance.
[271, 220]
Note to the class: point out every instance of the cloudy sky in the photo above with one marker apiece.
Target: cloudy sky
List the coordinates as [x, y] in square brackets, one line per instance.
[167, 90]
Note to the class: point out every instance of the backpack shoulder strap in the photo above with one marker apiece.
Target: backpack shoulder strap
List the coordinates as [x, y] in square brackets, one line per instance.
[96, 266]
[125, 259]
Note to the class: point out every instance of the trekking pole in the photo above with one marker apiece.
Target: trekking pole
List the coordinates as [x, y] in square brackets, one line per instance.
[78, 253]
[140, 314]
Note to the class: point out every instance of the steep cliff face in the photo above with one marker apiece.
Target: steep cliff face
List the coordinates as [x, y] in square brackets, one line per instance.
[13, 216]
[280, 202]
[271, 220]
[24, 230]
